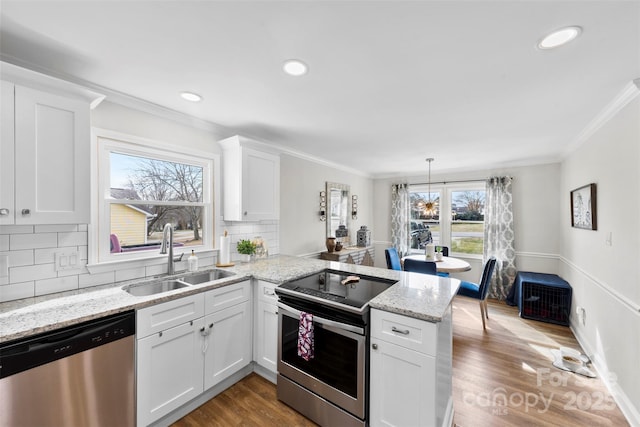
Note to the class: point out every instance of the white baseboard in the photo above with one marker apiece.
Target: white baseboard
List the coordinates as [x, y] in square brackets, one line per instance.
[625, 404]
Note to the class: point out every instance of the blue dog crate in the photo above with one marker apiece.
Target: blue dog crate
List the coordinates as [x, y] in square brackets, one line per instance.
[544, 297]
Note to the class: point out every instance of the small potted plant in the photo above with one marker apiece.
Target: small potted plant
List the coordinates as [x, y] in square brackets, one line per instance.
[246, 248]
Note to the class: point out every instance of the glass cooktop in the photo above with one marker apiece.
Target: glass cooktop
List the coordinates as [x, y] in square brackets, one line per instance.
[337, 288]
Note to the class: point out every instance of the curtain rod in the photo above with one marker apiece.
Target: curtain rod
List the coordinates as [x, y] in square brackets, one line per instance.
[452, 182]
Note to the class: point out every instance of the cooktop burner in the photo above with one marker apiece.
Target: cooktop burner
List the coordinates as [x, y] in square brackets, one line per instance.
[336, 288]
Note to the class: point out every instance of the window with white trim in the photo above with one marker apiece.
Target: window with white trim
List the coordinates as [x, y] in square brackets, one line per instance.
[461, 228]
[143, 185]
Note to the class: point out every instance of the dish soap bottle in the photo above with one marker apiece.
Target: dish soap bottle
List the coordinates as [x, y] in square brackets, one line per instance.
[192, 261]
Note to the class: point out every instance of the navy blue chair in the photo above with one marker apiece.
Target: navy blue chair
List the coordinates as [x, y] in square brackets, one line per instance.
[393, 259]
[479, 291]
[417, 266]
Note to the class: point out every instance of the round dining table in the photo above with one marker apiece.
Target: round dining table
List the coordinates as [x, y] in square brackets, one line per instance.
[447, 265]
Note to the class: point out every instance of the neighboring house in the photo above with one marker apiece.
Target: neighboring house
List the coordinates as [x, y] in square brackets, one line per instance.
[128, 222]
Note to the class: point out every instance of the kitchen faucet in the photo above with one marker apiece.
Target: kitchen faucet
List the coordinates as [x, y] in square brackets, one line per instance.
[163, 248]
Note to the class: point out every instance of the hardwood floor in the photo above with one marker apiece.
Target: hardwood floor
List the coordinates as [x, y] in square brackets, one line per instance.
[510, 363]
[512, 359]
[250, 402]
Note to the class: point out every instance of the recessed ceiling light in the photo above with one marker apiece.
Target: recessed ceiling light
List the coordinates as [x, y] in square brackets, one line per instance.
[559, 37]
[190, 96]
[294, 67]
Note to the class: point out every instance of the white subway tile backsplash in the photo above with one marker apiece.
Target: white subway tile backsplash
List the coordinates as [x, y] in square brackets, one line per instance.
[33, 241]
[76, 238]
[59, 284]
[83, 252]
[129, 273]
[74, 271]
[56, 228]
[154, 270]
[16, 229]
[17, 291]
[19, 258]
[31, 272]
[86, 280]
[31, 251]
[44, 256]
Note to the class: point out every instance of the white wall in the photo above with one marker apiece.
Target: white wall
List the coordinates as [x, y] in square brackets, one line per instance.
[535, 211]
[301, 231]
[605, 279]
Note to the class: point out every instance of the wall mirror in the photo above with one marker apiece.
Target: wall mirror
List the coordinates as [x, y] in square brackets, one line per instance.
[338, 212]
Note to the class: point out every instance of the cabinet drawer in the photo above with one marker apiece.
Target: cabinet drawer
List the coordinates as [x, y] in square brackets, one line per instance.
[168, 314]
[404, 331]
[227, 296]
[266, 292]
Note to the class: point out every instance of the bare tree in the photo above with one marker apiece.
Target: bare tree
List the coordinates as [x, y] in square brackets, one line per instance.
[473, 200]
[168, 181]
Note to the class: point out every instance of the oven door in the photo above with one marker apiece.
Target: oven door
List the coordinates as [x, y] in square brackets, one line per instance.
[337, 371]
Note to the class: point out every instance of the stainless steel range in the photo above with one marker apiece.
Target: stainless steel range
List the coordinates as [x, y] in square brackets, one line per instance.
[331, 388]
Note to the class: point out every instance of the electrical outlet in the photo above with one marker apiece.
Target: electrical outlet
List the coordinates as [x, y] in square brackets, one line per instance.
[66, 259]
[609, 239]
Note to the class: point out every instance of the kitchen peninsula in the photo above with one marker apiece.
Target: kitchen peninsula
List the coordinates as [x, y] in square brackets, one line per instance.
[417, 306]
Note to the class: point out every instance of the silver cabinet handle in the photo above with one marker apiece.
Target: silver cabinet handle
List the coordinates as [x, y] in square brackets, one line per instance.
[400, 331]
[4, 211]
[374, 346]
[26, 211]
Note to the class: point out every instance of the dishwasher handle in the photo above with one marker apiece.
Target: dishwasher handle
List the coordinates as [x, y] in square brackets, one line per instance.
[27, 353]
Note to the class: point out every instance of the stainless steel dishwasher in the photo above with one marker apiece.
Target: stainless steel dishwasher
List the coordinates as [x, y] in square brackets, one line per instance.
[81, 375]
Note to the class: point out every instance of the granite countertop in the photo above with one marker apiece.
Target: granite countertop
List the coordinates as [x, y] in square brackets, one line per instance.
[416, 295]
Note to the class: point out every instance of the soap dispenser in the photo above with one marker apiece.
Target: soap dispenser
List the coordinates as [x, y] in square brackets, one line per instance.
[193, 261]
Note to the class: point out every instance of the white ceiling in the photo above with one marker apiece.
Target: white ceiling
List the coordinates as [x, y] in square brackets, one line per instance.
[390, 82]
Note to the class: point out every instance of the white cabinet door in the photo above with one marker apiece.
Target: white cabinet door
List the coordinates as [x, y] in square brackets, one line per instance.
[251, 181]
[401, 386]
[266, 333]
[52, 156]
[169, 370]
[6, 154]
[261, 183]
[228, 342]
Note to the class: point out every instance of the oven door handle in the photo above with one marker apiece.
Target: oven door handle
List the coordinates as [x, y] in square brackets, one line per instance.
[322, 320]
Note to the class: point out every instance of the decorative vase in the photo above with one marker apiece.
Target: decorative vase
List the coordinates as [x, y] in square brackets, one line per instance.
[338, 246]
[245, 257]
[331, 244]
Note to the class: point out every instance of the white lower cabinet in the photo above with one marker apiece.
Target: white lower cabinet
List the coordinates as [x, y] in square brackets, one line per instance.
[169, 359]
[170, 370]
[228, 343]
[410, 371]
[188, 345]
[266, 327]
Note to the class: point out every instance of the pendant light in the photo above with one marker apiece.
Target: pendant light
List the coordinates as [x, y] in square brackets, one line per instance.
[430, 208]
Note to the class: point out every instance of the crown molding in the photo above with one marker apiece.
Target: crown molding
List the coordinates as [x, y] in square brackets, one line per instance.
[630, 91]
[121, 98]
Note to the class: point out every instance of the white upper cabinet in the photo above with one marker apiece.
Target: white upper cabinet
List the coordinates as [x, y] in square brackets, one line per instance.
[251, 181]
[45, 149]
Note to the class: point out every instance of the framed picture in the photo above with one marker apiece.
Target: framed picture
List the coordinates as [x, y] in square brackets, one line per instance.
[583, 207]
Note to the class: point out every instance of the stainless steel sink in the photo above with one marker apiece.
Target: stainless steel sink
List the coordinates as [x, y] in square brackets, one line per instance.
[207, 276]
[155, 287]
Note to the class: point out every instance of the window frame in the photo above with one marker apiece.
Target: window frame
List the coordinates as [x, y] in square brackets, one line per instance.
[105, 142]
[446, 191]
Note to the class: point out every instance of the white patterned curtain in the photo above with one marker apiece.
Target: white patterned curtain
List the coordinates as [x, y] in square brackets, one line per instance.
[499, 235]
[400, 218]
